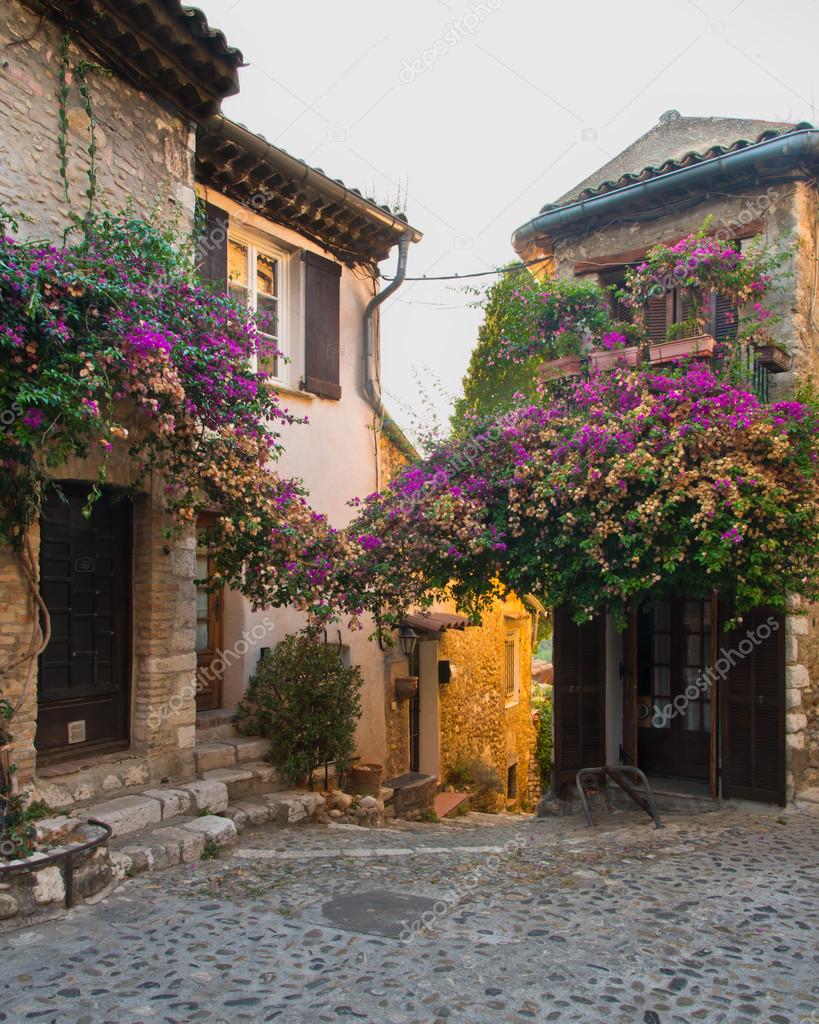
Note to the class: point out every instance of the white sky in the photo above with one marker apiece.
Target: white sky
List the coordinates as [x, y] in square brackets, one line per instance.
[529, 99]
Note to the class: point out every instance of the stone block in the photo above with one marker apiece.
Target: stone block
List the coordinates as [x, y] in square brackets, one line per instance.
[8, 906]
[250, 748]
[795, 741]
[239, 781]
[797, 677]
[186, 736]
[796, 625]
[48, 829]
[141, 857]
[127, 814]
[208, 795]
[220, 831]
[48, 885]
[809, 796]
[189, 843]
[172, 801]
[121, 864]
[135, 774]
[795, 722]
[263, 771]
[258, 812]
[793, 699]
[238, 816]
[111, 783]
[209, 756]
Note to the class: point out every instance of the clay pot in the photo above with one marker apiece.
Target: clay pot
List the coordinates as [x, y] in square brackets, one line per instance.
[774, 359]
[406, 687]
[701, 346]
[616, 357]
[366, 778]
[567, 366]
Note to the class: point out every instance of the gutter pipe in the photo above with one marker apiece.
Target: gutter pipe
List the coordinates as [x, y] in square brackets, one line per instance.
[372, 388]
[778, 155]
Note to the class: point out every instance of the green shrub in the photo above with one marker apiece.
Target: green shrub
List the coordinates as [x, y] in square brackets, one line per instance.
[306, 702]
[480, 778]
[542, 703]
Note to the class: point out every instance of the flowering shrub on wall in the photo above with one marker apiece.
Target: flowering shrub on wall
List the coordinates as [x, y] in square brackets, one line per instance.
[634, 483]
[111, 341]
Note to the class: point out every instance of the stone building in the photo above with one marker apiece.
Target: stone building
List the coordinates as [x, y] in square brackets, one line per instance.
[473, 698]
[756, 734]
[175, 656]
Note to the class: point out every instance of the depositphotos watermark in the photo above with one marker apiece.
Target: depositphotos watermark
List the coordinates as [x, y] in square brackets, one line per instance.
[705, 680]
[456, 31]
[465, 886]
[211, 673]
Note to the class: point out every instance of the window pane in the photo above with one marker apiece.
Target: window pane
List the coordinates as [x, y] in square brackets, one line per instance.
[267, 279]
[691, 716]
[693, 650]
[691, 615]
[662, 647]
[202, 636]
[202, 603]
[662, 682]
[268, 309]
[661, 714]
[662, 615]
[237, 264]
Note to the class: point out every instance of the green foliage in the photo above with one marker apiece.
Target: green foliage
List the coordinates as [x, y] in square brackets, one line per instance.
[17, 833]
[480, 778]
[306, 702]
[526, 321]
[544, 743]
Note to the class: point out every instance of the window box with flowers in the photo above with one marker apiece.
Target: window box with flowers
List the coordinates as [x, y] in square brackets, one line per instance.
[617, 348]
[774, 358]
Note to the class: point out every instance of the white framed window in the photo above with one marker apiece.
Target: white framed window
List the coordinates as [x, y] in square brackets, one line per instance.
[257, 276]
[511, 667]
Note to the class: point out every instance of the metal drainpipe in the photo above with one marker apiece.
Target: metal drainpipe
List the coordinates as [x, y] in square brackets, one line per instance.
[372, 387]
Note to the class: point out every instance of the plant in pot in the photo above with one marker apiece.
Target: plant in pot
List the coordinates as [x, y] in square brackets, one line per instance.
[774, 357]
[567, 346]
[618, 346]
[684, 340]
[305, 700]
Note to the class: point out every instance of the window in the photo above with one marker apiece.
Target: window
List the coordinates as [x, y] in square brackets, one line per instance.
[256, 277]
[511, 667]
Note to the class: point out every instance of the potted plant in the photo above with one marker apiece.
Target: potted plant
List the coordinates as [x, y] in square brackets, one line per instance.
[406, 687]
[617, 347]
[775, 358]
[685, 340]
[567, 348]
[366, 778]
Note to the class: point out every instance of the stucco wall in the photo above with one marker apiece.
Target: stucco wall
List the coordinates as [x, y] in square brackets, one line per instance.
[338, 456]
[145, 150]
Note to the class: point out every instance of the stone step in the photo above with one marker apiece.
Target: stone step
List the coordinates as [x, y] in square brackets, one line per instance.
[214, 725]
[446, 804]
[228, 752]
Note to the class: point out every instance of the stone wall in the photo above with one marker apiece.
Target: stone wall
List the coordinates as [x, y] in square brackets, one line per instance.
[475, 719]
[802, 696]
[145, 151]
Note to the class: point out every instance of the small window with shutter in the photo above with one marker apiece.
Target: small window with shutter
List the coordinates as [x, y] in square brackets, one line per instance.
[256, 276]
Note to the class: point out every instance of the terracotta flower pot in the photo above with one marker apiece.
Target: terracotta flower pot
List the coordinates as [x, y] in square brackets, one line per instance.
[774, 359]
[701, 346]
[406, 687]
[366, 778]
[616, 357]
[566, 366]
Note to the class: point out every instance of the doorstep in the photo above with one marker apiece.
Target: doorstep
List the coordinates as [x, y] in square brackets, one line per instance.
[447, 804]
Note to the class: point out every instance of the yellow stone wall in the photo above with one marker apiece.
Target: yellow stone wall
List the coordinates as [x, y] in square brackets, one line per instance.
[476, 721]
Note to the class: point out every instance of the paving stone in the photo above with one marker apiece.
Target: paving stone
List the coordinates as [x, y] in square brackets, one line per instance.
[208, 795]
[208, 756]
[172, 801]
[220, 831]
[127, 814]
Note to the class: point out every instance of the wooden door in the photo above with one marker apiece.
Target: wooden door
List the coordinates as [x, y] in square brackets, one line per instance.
[84, 673]
[674, 710]
[579, 695]
[752, 733]
[209, 631]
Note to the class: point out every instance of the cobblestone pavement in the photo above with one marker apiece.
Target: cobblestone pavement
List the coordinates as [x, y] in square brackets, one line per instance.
[714, 919]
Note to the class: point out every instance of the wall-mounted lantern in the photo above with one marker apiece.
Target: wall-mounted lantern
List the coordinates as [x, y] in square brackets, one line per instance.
[407, 640]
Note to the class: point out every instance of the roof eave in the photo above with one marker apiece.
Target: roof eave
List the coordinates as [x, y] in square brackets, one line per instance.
[775, 157]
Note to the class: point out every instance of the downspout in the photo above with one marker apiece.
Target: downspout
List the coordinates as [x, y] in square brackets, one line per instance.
[372, 386]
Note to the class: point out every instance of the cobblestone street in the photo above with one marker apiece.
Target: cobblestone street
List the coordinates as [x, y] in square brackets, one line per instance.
[712, 919]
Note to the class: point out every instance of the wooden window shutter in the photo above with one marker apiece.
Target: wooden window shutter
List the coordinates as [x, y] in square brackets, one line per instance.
[213, 246]
[659, 314]
[752, 709]
[321, 326]
[579, 695]
[724, 318]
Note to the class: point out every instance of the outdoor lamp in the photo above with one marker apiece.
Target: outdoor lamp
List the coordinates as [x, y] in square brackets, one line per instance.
[407, 640]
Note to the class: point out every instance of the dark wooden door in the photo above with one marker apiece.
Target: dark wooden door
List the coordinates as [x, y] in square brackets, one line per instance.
[84, 673]
[673, 654]
[209, 662]
[752, 716]
[579, 695]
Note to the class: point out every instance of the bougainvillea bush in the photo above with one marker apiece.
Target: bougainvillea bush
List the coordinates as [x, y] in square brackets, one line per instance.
[630, 485]
[109, 340]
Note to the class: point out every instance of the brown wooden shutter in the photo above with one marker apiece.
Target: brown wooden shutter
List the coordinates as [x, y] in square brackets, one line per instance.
[321, 325]
[752, 709]
[213, 246]
[659, 314]
[579, 695]
[724, 318]
[629, 750]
